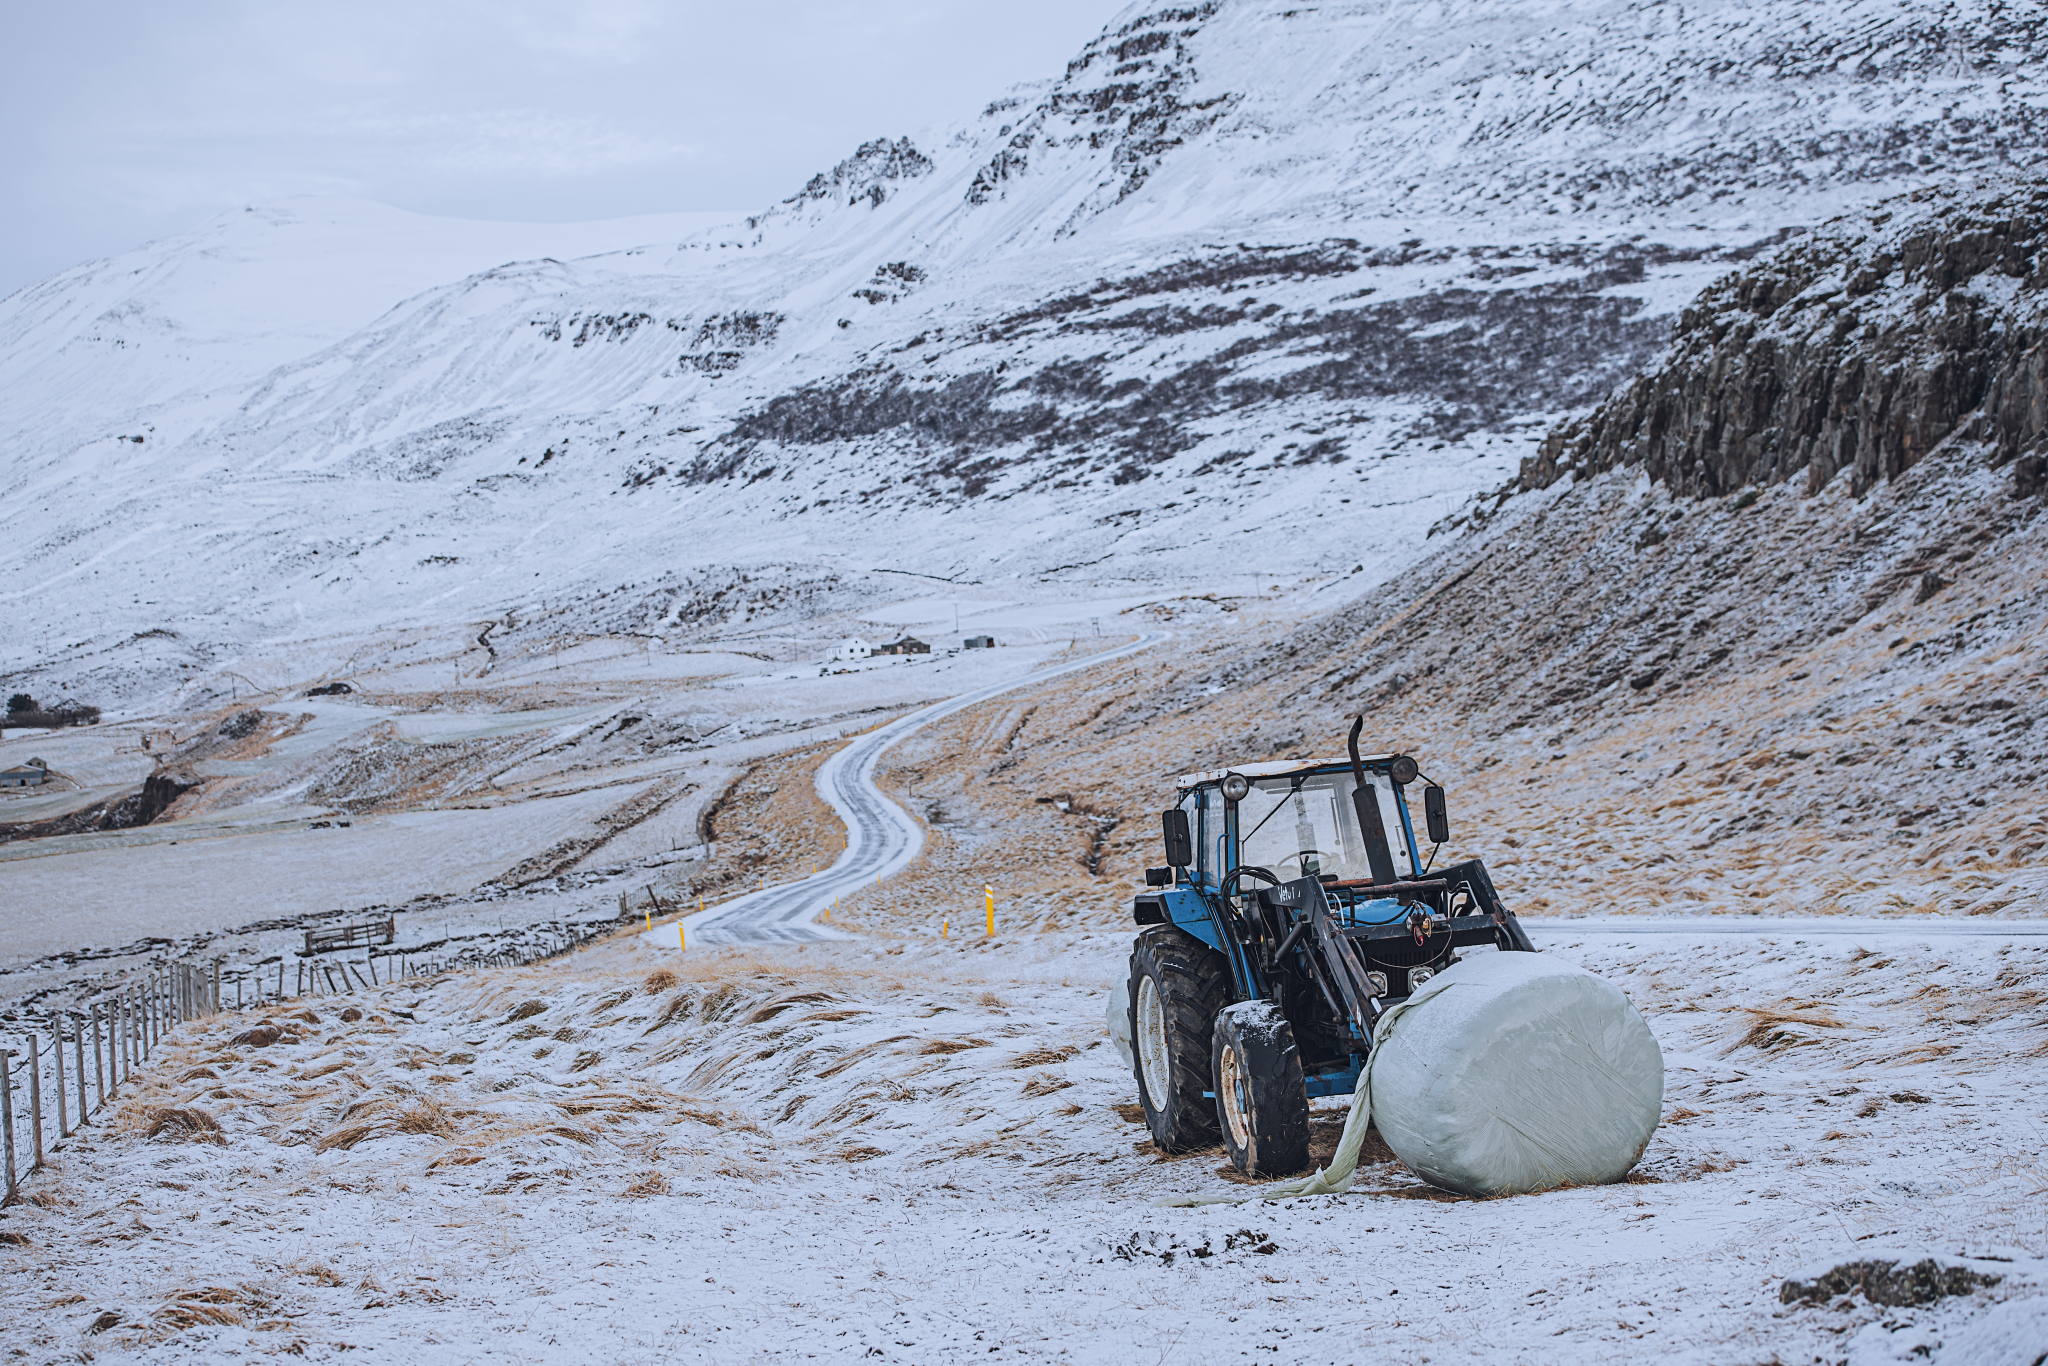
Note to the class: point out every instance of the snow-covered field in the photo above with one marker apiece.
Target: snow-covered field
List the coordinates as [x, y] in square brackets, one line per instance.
[911, 1150]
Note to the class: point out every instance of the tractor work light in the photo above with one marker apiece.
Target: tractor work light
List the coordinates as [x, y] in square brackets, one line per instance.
[1378, 982]
[1417, 976]
[1236, 787]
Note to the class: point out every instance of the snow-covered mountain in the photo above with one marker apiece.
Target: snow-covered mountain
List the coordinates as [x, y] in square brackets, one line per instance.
[1250, 287]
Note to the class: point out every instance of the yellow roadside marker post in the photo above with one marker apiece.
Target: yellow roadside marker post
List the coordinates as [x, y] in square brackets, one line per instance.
[990, 893]
[942, 929]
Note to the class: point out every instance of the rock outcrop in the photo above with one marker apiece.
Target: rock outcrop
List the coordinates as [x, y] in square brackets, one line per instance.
[1858, 348]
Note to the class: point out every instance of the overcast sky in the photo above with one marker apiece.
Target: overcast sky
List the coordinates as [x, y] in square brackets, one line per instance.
[130, 119]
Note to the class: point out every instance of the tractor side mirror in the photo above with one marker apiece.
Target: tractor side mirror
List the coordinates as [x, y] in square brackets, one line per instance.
[1180, 845]
[1433, 813]
[1159, 877]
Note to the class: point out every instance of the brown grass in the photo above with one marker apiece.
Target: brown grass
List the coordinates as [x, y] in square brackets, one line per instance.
[188, 1125]
[1768, 1028]
[1043, 1057]
[1045, 1084]
[764, 1013]
[425, 1117]
[860, 1055]
[659, 981]
[953, 1045]
[346, 1137]
[650, 1183]
[677, 1009]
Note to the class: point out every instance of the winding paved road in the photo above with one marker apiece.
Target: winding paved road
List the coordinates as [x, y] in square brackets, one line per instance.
[881, 837]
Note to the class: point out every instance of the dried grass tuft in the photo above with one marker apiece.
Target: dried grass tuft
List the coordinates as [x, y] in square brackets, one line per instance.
[345, 1137]
[722, 1001]
[525, 1011]
[188, 1124]
[425, 1117]
[650, 1183]
[677, 1009]
[585, 1061]
[859, 1154]
[200, 1074]
[659, 981]
[1043, 1057]
[953, 1045]
[210, 1307]
[1044, 1084]
[764, 1013]
[1768, 1029]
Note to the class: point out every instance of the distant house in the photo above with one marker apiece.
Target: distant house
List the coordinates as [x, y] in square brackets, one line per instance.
[851, 649]
[980, 642]
[909, 645]
[25, 776]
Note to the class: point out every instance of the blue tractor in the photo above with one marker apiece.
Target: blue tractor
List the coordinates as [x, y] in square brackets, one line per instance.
[1294, 909]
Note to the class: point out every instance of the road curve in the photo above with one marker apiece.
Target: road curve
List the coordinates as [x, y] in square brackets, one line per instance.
[881, 837]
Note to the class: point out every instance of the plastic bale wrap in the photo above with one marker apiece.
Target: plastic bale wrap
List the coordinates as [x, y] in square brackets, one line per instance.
[1117, 1015]
[1514, 1072]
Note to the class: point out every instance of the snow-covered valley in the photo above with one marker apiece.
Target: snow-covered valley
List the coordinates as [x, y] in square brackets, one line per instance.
[1637, 412]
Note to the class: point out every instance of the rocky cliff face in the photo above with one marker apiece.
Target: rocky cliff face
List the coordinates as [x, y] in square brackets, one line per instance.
[1858, 348]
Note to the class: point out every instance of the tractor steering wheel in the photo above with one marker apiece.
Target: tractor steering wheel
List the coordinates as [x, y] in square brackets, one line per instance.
[1300, 861]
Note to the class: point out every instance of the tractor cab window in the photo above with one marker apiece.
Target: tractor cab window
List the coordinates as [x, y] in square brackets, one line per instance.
[1306, 827]
[1197, 803]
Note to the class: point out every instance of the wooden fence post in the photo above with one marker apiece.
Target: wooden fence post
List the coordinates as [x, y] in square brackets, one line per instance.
[7, 1114]
[35, 1096]
[63, 1105]
[99, 1067]
[78, 1031]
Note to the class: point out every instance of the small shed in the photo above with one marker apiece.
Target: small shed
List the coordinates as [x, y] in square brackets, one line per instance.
[852, 648]
[909, 645]
[980, 642]
[25, 776]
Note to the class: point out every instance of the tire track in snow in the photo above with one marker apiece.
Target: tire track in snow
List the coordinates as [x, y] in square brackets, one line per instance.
[881, 837]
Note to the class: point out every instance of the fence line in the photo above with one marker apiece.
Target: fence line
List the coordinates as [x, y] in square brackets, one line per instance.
[126, 1029]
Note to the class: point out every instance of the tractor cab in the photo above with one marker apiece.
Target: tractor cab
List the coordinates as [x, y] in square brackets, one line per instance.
[1300, 892]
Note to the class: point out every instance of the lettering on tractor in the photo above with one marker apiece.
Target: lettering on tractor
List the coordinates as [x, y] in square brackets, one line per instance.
[1295, 908]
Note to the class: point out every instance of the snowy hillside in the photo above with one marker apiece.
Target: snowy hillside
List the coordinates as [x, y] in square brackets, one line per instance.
[1243, 270]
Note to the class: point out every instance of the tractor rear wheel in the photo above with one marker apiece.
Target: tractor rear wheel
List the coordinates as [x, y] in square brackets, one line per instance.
[1178, 983]
[1261, 1101]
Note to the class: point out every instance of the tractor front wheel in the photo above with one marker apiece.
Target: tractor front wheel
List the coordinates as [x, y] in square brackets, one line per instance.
[1178, 984]
[1261, 1101]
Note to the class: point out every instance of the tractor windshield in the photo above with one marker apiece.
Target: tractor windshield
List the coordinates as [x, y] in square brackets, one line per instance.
[1305, 826]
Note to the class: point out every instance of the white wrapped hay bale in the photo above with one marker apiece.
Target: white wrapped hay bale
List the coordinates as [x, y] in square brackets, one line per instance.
[1512, 1072]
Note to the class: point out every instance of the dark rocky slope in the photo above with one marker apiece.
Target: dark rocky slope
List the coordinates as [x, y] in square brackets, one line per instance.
[1860, 347]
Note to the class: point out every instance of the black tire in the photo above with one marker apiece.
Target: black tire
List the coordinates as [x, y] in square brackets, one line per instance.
[1261, 1100]
[1189, 982]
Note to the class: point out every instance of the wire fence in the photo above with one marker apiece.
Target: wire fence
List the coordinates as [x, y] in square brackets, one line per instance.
[59, 1080]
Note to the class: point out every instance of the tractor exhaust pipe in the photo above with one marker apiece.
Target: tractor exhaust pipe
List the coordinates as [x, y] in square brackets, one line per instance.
[1365, 801]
